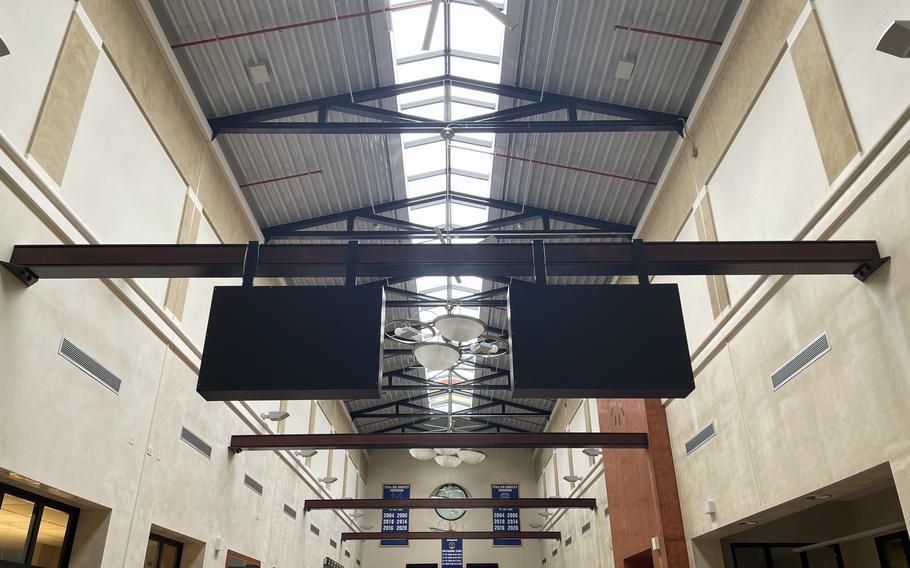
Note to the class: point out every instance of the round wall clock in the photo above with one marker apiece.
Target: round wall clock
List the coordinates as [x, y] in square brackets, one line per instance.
[450, 491]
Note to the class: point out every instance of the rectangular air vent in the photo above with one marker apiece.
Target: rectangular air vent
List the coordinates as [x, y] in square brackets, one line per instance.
[555, 552]
[569, 541]
[290, 511]
[196, 442]
[358, 562]
[701, 438]
[808, 355]
[252, 484]
[347, 553]
[585, 527]
[89, 365]
[543, 561]
[332, 543]
[314, 529]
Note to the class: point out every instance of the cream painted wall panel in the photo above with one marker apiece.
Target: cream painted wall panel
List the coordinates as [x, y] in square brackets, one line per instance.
[876, 85]
[33, 31]
[562, 468]
[581, 464]
[119, 180]
[693, 294]
[350, 478]
[720, 470]
[502, 466]
[199, 291]
[549, 473]
[767, 191]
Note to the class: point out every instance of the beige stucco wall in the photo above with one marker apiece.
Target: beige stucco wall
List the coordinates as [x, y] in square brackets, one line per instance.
[848, 412]
[500, 466]
[126, 178]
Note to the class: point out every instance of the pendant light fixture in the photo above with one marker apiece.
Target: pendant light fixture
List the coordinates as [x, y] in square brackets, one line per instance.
[422, 454]
[448, 461]
[459, 328]
[436, 356]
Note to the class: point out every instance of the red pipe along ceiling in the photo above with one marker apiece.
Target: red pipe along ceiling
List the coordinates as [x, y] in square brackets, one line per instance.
[561, 166]
[319, 21]
[667, 34]
[282, 178]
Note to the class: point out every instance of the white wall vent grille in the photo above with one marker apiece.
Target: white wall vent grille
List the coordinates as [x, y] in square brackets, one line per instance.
[252, 484]
[88, 365]
[701, 438]
[196, 442]
[290, 511]
[332, 543]
[808, 355]
[314, 529]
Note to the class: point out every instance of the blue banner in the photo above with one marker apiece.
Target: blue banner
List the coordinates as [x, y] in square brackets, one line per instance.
[506, 519]
[395, 520]
[452, 553]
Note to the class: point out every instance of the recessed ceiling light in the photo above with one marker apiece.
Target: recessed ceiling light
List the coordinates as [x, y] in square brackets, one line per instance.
[819, 497]
[259, 72]
[624, 69]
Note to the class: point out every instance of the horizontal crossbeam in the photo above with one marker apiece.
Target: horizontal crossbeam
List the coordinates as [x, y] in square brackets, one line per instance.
[463, 127]
[469, 503]
[392, 122]
[438, 440]
[292, 229]
[440, 535]
[410, 260]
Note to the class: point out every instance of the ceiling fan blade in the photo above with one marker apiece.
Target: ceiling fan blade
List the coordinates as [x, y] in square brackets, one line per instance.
[503, 18]
[431, 25]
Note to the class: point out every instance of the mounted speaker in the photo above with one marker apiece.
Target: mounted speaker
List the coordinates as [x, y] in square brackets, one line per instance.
[598, 342]
[293, 343]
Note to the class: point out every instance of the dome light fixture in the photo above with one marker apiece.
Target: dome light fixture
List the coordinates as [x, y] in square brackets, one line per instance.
[422, 454]
[459, 328]
[446, 451]
[572, 478]
[448, 461]
[437, 356]
[471, 457]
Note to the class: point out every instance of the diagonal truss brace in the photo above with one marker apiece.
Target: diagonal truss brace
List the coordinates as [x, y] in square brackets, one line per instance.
[523, 213]
[623, 118]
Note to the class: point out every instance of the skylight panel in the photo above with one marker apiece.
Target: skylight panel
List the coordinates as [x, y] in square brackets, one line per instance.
[407, 31]
[472, 159]
[471, 186]
[470, 69]
[431, 157]
[463, 216]
[474, 30]
[421, 70]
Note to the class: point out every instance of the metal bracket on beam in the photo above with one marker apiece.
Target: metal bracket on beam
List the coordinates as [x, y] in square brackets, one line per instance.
[22, 273]
[638, 255]
[540, 263]
[867, 269]
[350, 275]
[250, 263]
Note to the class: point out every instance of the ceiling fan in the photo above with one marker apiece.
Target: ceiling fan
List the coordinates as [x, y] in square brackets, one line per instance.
[486, 5]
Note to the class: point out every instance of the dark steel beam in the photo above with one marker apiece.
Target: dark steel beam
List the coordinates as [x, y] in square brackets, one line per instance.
[440, 535]
[438, 440]
[402, 426]
[439, 197]
[462, 127]
[429, 412]
[351, 103]
[484, 260]
[465, 233]
[469, 503]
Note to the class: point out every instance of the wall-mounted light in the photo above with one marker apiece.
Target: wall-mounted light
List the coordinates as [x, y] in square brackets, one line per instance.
[328, 480]
[709, 507]
[896, 39]
[306, 453]
[593, 452]
[572, 478]
[819, 497]
[545, 514]
[275, 415]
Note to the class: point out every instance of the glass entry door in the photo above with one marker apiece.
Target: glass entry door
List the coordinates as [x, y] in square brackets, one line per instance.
[34, 531]
[894, 550]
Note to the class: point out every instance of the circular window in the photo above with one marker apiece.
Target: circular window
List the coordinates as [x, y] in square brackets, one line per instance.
[450, 491]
